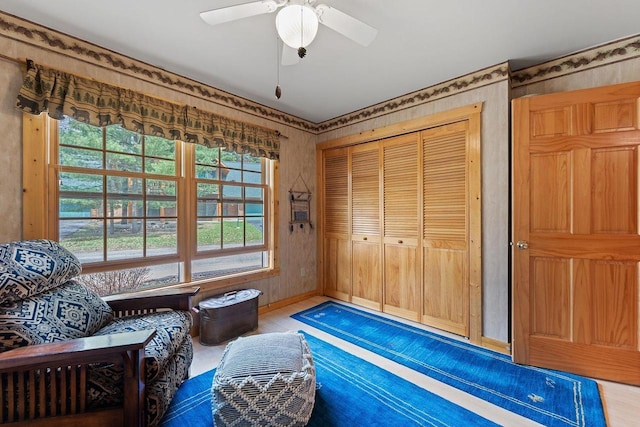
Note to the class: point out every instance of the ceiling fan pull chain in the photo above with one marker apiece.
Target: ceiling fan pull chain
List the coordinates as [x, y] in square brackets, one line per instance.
[278, 90]
[301, 50]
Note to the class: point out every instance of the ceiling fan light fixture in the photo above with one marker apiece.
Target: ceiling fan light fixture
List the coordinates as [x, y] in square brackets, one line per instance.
[297, 25]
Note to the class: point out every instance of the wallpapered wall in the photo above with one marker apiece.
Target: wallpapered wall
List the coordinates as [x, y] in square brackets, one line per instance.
[616, 62]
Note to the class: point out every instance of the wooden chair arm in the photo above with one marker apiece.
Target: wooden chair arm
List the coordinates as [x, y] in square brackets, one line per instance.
[92, 349]
[59, 372]
[173, 298]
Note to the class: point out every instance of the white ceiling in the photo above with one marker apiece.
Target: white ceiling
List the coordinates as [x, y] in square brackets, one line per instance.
[419, 43]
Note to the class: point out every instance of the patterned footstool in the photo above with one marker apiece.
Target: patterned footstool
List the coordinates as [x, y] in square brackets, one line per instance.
[264, 380]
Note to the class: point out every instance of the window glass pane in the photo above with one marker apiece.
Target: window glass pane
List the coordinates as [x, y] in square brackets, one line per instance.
[208, 234]
[207, 156]
[164, 275]
[207, 172]
[80, 157]
[162, 237]
[159, 147]
[74, 132]
[254, 231]
[124, 197]
[254, 209]
[208, 200]
[233, 232]
[161, 198]
[78, 208]
[230, 157]
[251, 163]
[84, 238]
[124, 208]
[124, 239]
[123, 141]
[124, 186]
[232, 192]
[254, 194]
[124, 162]
[132, 279]
[80, 195]
[231, 172]
[232, 209]
[160, 167]
[252, 177]
[87, 184]
[226, 265]
[207, 208]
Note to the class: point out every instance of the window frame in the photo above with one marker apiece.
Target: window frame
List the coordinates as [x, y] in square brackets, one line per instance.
[41, 205]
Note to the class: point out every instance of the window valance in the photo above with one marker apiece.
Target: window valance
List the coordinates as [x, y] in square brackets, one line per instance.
[100, 104]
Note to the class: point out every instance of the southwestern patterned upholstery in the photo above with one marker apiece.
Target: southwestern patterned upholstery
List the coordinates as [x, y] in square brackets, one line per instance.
[41, 303]
[28, 268]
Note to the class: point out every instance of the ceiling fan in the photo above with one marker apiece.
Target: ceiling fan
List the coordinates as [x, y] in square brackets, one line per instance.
[296, 22]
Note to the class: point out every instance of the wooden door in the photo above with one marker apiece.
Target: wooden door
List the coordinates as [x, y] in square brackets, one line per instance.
[336, 245]
[401, 215]
[445, 237]
[366, 270]
[575, 213]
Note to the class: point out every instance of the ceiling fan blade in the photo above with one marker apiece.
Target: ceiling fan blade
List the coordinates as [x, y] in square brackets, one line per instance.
[233, 13]
[289, 55]
[346, 25]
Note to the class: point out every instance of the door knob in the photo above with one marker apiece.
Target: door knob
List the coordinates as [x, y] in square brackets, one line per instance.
[522, 244]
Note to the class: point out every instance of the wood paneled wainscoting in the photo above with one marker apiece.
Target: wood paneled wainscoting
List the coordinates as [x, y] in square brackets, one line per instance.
[400, 226]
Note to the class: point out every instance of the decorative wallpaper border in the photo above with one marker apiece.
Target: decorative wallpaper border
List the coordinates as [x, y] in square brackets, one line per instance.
[470, 81]
[605, 54]
[41, 37]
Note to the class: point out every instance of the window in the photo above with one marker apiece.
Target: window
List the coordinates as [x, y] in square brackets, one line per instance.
[141, 211]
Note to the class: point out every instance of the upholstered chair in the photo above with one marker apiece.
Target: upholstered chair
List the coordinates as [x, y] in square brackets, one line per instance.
[69, 356]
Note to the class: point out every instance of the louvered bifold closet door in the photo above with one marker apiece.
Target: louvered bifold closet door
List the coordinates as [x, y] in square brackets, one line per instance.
[336, 245]
[366, 266]
[445, 228]
[401, 215]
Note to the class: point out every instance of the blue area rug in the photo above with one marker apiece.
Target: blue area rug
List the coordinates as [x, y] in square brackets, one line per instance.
[551, 398]
[351, 392]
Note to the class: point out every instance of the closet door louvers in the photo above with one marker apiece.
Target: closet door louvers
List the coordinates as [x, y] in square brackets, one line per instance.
[336, 266]
[445, 228]
[366, 272]
[401, 222]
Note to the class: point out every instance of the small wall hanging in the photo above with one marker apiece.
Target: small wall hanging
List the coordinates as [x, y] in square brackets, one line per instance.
[300, 202]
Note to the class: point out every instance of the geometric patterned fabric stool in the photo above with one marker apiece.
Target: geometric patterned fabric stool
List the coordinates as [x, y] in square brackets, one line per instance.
[264, 380]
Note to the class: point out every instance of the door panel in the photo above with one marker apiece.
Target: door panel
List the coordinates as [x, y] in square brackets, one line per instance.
[550, 297]
[401, 230]
[446, 299]
[614, 182]
[366, 267]
[366, 274]
[445, 233]
[575, 209]
[401, 290]
[336, 267]
[337, 272]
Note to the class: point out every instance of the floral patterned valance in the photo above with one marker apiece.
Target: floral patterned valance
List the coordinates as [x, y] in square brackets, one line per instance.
[99, 104]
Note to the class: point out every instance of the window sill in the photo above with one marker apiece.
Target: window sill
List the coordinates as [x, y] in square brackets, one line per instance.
[213, 284]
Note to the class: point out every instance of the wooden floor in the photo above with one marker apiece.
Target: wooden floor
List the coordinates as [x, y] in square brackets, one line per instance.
[621, 402]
